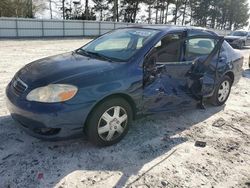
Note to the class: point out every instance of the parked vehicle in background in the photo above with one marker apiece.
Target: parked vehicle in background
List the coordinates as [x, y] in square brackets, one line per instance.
[238, 39]
[101, 87]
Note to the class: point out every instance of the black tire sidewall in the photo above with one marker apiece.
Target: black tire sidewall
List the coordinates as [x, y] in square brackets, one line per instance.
[215, 99]
[92, 122]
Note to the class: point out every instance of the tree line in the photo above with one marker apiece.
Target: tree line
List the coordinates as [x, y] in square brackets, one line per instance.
[21, 8]
[217, 14]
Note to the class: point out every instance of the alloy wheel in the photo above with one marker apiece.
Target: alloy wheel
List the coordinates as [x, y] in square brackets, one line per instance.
[223, 91]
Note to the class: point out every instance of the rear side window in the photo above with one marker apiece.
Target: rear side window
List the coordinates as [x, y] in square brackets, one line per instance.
[197, 47]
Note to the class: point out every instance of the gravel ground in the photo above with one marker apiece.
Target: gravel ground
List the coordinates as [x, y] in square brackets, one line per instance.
[158, 151]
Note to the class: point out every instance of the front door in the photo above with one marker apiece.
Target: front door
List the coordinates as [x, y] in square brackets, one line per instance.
[177, 72]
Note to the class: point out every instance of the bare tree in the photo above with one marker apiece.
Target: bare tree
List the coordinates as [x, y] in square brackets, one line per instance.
[63, 9]
[150, 6]
[115, 13]
[178, 4]
[50, 9]
[18, 8]
[184, 12]
[87, 9]
[100, 5]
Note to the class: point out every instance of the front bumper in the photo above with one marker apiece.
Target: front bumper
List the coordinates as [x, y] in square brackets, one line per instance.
[65, 120]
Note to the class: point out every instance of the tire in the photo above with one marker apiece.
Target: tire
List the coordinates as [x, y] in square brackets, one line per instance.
[104, 127]
[221, 94]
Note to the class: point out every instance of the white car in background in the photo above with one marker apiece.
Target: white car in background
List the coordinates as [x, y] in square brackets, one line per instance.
[238, 39]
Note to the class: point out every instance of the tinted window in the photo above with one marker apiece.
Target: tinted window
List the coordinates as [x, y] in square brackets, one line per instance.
[197, 47]
[168, 49]
[239, 33]
[195, 32]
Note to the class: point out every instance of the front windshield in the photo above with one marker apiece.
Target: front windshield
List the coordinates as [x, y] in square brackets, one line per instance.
[239, 33]
[119, 45]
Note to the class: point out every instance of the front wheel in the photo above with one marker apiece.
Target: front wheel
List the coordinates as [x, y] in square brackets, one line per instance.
[109, 122]
[222, 91]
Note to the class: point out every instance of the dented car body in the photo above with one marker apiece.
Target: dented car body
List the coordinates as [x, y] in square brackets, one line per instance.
[147, 69]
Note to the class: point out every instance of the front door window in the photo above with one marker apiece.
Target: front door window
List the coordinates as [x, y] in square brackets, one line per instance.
[167, 50]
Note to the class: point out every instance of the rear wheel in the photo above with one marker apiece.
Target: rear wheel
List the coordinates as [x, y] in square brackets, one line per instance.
[109, 122]
[222, 91]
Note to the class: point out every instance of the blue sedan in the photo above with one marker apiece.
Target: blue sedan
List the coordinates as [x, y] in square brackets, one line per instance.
[98, 89]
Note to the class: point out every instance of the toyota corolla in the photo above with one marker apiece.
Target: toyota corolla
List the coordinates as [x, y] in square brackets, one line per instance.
[98, 89]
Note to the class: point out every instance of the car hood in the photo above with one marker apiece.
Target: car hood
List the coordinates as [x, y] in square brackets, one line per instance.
[60, 67]
[234, 37]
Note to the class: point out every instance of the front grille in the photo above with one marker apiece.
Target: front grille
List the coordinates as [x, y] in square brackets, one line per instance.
[18, 86]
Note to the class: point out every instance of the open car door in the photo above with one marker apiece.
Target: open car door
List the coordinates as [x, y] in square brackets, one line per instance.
[180, 70]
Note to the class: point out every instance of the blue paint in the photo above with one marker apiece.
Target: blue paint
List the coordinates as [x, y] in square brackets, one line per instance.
[173, 85]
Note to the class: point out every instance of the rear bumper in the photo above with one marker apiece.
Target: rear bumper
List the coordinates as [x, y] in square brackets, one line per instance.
[64, 120]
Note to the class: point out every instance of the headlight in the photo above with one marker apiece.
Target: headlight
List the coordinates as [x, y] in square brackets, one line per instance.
[52, 93]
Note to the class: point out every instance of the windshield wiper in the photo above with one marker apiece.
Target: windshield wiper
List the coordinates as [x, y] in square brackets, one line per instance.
[100, 56]
[82, 52]
[91, 54]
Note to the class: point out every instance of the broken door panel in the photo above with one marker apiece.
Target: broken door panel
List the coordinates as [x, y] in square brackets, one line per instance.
[187, 72]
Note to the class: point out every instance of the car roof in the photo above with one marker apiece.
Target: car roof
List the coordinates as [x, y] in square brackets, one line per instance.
[168, 28]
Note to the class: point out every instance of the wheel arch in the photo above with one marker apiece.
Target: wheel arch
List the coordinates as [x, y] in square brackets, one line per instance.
[124, 96]
[230, 74]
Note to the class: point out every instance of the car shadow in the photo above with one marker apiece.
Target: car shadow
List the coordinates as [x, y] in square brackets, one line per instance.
[29, 162]
[246, 73]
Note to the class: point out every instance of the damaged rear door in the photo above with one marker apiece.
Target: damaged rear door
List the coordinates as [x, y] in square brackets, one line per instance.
[179, 70]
